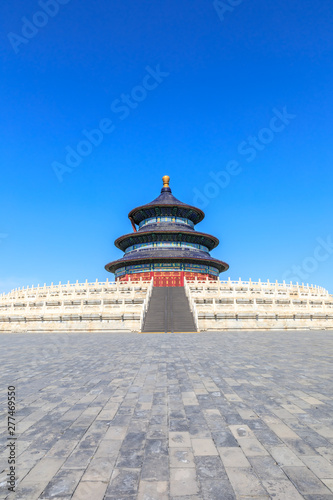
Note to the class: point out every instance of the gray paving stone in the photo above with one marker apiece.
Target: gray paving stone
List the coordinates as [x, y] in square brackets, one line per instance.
[130, 459]
[186, 497]
[123, 482]
[95, 417]
[305, 481]
[155, 469]
[209, 468]
[120, 496]
[79, 459]
[62, 485]
[178, 425]
[299, 447]
[155, 464]
[214, 489]
[155, 448]
[224, 438]
[318, 497]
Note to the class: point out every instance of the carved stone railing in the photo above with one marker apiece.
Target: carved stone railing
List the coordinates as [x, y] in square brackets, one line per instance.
[146, 304]
[111, 304]
[192, 303]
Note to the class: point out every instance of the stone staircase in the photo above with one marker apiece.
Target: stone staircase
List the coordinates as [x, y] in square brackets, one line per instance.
[169, 311]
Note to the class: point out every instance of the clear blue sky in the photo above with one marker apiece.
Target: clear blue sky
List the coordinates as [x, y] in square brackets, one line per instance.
[187, 88]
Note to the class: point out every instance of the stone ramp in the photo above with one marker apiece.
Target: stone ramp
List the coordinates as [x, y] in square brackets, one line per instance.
[169, 311]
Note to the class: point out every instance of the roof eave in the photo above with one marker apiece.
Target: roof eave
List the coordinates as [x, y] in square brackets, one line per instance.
[137, 234]
[171, 205]
[219, 264]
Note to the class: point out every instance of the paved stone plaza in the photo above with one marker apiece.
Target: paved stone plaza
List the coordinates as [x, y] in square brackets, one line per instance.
[179, 416]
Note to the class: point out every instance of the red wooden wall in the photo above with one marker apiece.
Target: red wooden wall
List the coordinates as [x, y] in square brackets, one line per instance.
[164, 278]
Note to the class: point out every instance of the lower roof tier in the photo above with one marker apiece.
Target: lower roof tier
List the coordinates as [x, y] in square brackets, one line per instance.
[167, 256]
[159, 270]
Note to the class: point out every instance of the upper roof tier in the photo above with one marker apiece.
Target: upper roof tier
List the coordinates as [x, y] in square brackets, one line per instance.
[166, 205]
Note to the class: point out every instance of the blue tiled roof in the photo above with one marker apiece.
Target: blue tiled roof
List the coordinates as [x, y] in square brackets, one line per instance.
[160, 206]
[166, 235]
[166, 198]
[165, 255]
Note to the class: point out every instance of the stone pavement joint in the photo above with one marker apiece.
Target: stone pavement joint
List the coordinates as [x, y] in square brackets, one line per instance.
[209, 416]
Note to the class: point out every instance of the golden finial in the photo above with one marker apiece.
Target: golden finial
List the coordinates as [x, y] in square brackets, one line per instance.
[166, 180]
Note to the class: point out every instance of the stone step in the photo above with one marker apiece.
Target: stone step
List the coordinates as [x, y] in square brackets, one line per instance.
[169, 311]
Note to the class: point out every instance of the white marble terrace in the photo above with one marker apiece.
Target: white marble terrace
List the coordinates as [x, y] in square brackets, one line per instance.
[114, 306]
[250, 305]
[86, 307]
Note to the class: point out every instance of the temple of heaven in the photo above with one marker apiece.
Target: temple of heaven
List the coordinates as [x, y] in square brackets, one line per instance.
[164, 244]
